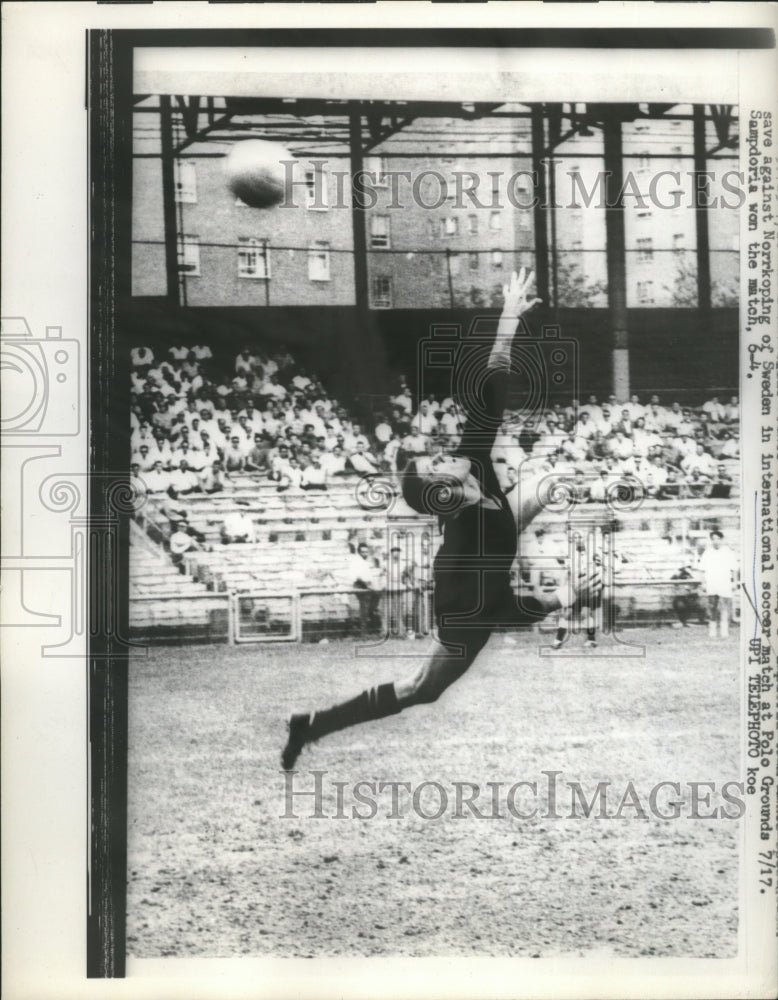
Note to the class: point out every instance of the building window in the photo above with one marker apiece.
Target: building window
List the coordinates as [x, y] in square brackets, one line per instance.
[253, 258]
[495, 222]
[645, 247]
[645, 292]
[495, 185]
[319, 261]
[473, 261]
[381, 288]
[185, 179]
[525, 221]
[644, 213]
[451, 226]
[316, 188]
[379, 231]
[453, 264]
[376, 167]
[472, 224]
[678, 242]
[189, 255]
[496, 258]
[643, 162]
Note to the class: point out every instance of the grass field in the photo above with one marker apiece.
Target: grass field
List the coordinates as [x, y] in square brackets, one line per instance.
[215, 869]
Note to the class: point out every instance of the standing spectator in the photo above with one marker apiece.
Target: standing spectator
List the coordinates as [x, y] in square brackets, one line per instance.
[685, 601]
[718, 568]
[365, 577]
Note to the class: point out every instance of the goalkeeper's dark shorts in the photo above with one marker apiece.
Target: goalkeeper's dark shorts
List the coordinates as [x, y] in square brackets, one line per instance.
[467, 614]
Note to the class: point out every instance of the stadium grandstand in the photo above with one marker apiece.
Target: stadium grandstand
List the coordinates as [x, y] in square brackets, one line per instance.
[259, 487]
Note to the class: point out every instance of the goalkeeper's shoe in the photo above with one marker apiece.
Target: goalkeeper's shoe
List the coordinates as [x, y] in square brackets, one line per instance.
[299, 728]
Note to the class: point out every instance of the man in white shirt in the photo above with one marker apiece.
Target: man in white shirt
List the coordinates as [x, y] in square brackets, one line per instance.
[365, 576]
[714, 409]
[156, 479]
[634, 407]
[361, 460]
[718, 568]
[700, 461]
[237, 527]
[142, 357]
[314, 477]
[425, 420]
[183, 479]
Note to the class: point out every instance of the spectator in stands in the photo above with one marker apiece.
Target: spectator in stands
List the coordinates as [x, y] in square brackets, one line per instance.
[142, 358]
[425, 419]
[598, 489]
[314, 476]
[235, 455]
[334, 462]
[156, 479]
[182, 541]
[365, 577]
[729, 447]
[699, 461]
[696, 485]
[620, 446]
[685, 446]
[215, 479]
[625, 423]
[673, 417]
[201, 352]
[529, 437]
[137, 484]
[721, 487]
[586, 428]
[144, 459]
[634, 408]
[580, 488]
[258, 459]
[714, 409]
[673, 485]
[237, 527]
[183, 480]
[654, 477]
[592, 407]
[361, 460]
[178, 353]
[732, 411]
[403, 398]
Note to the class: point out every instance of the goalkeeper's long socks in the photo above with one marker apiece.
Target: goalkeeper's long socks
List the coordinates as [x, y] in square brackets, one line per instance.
[374, 703]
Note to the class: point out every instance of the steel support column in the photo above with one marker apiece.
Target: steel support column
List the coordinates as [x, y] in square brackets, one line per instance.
[701, 193]
[540, 217]
[615, 253]
[169, 197]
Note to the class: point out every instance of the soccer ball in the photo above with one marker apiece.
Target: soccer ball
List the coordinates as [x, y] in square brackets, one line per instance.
[257, 172]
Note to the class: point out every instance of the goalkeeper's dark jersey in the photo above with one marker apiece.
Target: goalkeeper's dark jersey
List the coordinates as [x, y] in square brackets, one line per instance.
[472, 566]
